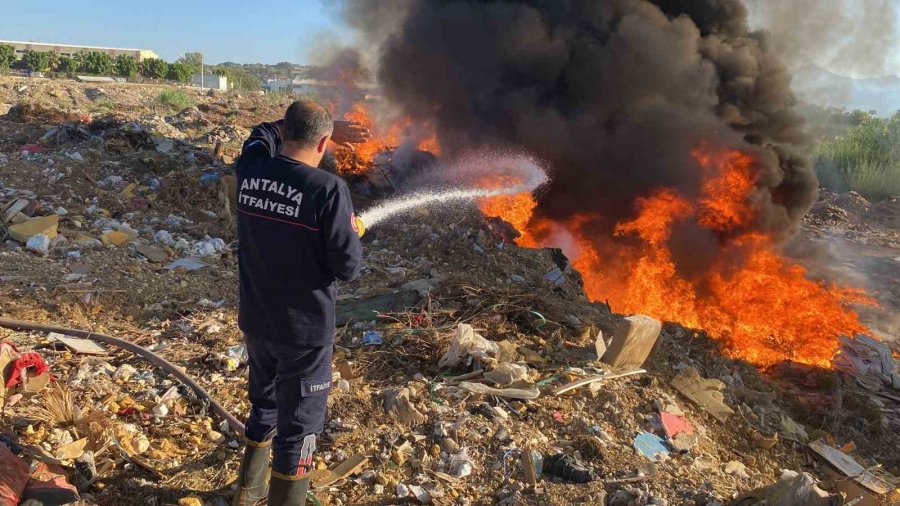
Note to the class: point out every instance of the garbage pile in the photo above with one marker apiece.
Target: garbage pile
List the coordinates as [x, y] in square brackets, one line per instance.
[466, 370]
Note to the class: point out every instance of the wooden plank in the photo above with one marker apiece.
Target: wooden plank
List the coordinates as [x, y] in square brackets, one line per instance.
[593, 379]
[850, 467]
[343, 470]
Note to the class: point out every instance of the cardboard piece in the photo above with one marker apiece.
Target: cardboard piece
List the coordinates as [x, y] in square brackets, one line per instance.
[632, 342]
[82, 346]
[706, 393]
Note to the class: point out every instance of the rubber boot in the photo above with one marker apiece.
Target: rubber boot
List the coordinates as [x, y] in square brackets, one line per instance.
[252, 484]
[288, 490]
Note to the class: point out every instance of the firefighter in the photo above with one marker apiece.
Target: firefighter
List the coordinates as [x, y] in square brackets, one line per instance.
[297, 235]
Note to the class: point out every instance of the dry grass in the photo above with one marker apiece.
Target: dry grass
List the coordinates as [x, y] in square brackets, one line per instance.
[59, 409]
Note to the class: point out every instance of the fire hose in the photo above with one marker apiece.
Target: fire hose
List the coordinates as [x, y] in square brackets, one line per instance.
[234, 423]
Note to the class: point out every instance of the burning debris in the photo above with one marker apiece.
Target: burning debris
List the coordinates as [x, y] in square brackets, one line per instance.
[530, 411]
[676, 157]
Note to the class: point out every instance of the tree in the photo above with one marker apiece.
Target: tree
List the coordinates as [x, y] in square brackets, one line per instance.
[67, 65]
[98, 63]
[77, 62]
[126, 66]
[180, 72]
[154, 68]
[36, 61]
[53, 60]
[193, 60]
[7, 56]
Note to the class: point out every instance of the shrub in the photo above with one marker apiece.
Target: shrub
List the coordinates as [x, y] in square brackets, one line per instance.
[154, 68]
[180, 72]
[98, 63]
[175, 99]
[7, 56]
[126, 66]
[36, 61]
[866, 160]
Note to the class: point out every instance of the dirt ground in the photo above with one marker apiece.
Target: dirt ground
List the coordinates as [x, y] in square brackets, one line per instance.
[120, 172]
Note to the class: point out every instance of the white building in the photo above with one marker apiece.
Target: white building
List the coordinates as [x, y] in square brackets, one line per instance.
[310, 86]
[212, 81]
[69, 49]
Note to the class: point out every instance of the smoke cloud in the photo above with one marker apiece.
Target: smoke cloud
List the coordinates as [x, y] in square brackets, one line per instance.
[613, 95]
[856, 38]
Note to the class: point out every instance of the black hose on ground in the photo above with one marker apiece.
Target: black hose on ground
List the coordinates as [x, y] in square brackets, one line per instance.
[234, 423]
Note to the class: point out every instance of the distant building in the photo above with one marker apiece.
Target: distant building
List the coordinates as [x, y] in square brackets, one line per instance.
[213, 81]
[69, 50]
[311, 86]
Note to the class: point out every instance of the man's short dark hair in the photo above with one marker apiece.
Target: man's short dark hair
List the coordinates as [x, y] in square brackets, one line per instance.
[306, 122]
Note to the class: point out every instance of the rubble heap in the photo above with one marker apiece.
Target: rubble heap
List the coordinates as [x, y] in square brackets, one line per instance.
[467, 370]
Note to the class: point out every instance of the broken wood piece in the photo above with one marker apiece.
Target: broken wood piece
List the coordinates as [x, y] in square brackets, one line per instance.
[72, 450]
[83, 346]
[632, 342]
[344, 469]
[592, 379]
[706, 393]
[529, 464]
[512, 393]
[850, 467]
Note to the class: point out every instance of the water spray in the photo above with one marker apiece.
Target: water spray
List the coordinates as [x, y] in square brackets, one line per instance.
[525, 172]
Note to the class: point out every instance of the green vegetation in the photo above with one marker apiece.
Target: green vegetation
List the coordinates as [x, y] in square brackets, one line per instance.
[180, 72]
[194, 61]
[866, 159]
[126, 66]
[240, 78]
[7, 56]
[36, 61]
[154, 68]
[98, 63]
[174, 99]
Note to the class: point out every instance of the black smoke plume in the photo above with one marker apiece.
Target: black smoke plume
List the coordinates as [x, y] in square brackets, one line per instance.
[613, 94]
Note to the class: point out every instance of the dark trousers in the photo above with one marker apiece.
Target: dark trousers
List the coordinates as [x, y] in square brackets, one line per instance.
[289, 386]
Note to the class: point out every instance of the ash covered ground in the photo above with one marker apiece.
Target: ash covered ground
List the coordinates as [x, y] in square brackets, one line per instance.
[119, 169]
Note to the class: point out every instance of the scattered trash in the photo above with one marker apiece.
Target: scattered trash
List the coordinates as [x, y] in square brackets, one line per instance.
[467, 343]
[850, 467]
[83, 346]
[651, 446]
[869, 361]
[678, 430]
[706, 393]
[38, 243]
[511, 393]
[632, 342]
[372, 338]
[555, 277]
[506, 373]
[187, 264]
[42, 225]
[461, 465]
[533, 464]
[397, 403]
[593, 379]
[154, 254]
[14, 475]
[326, 478]
[568, 468]
[736, 469]
[791, 489]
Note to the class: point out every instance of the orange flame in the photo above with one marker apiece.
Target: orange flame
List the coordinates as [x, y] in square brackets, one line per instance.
[761, 306]
[385, 137]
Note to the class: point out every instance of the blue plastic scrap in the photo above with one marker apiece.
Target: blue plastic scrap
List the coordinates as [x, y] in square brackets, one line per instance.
[372, 338]
[651, 446]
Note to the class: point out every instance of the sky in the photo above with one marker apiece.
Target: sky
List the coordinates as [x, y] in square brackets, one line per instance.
[248, 31]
